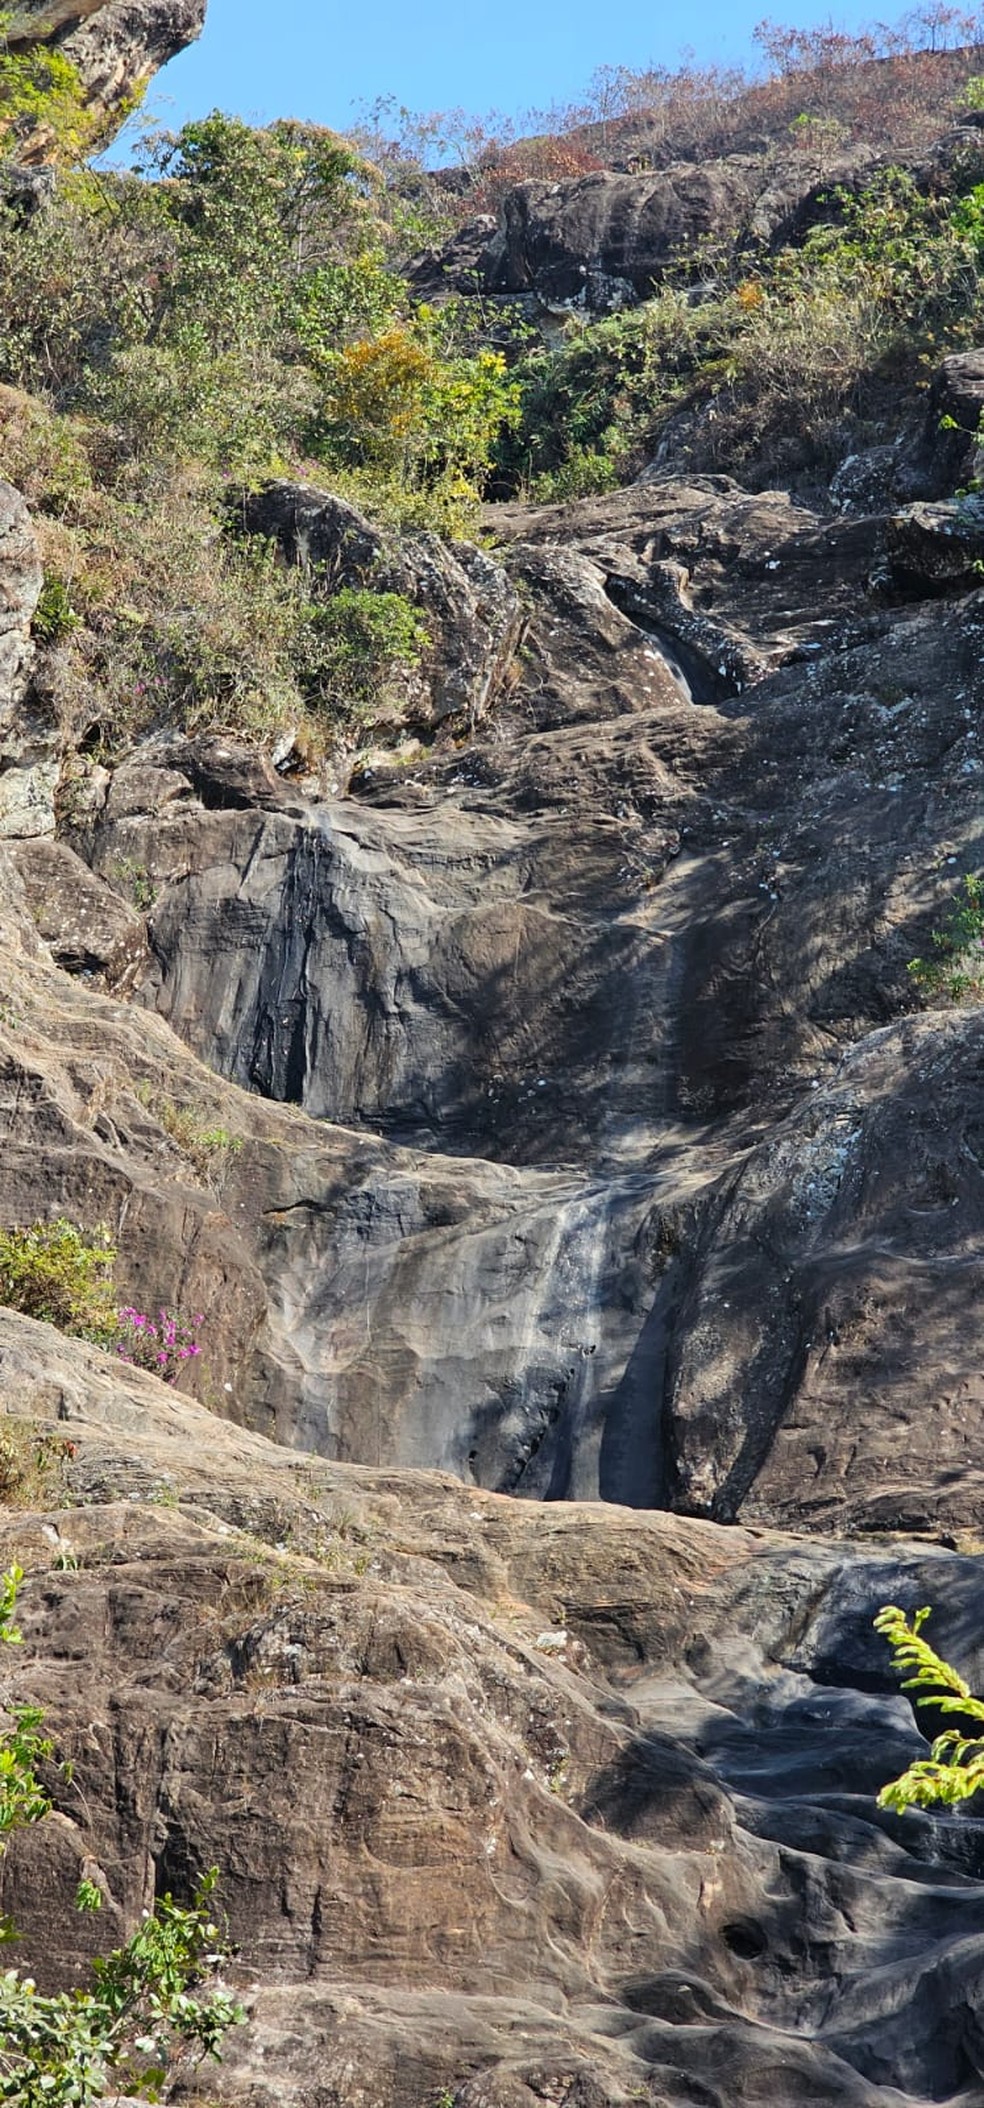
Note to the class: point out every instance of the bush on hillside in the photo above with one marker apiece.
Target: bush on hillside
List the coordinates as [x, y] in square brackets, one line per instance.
[53, 1271]
[787, 351]
[368, 645]
[236, 309]
[230, 313]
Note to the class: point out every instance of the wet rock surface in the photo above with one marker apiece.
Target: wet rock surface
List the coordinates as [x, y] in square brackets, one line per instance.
[558, 1114]
[621, 1160]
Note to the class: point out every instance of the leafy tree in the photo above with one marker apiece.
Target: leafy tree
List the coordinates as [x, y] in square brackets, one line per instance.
[254, 214]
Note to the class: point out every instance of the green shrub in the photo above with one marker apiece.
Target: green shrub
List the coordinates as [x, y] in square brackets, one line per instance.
[364, 647]
[586, 473]
[53, 1272]
[958, 969]
[43, 454]
[954, 1769]
[42, 101]
[257, 218]
[54, 616]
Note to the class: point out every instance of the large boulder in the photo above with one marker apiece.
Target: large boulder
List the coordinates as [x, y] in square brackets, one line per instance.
[936, 548]
[602, 240]
[90, 930]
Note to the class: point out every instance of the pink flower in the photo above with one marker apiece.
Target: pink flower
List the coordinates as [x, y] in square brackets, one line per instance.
[161, 1347]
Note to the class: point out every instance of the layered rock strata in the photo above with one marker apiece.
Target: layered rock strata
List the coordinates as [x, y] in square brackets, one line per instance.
[515, 1803]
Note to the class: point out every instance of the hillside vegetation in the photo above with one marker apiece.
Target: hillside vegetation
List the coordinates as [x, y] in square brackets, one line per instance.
[237, 308]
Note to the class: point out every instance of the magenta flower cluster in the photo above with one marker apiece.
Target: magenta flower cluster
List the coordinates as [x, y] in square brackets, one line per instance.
[160, 1344]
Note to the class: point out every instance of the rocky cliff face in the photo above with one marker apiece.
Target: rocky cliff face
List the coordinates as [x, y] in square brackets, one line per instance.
[603, 240]
[591, 1143]
[548, 1111]
[116, 46]
[640, 1166]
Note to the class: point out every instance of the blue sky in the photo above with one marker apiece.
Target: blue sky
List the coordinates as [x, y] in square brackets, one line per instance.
[306, 60]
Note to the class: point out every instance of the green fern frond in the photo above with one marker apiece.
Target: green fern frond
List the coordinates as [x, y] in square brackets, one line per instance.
[954, 1769]
[909, 1651]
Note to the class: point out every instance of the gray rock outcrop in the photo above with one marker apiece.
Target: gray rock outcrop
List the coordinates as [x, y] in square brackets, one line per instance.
[936, 548]
[604, 239]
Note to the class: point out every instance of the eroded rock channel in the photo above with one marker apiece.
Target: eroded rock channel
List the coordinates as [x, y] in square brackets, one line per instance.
[583, 1141]
[657, 1159]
